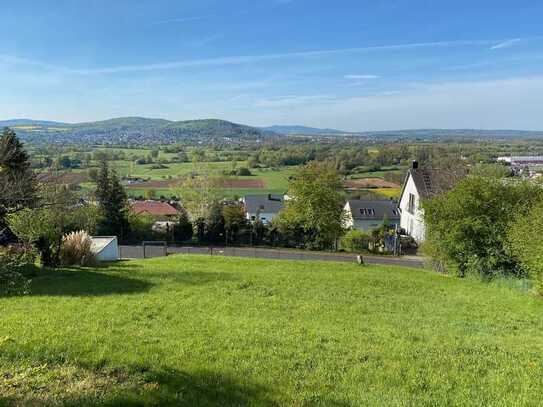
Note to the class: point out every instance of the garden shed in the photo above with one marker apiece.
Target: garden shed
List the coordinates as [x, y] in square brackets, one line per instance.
[106, 248]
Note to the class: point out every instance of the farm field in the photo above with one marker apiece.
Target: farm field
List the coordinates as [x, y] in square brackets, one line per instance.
[192, 330]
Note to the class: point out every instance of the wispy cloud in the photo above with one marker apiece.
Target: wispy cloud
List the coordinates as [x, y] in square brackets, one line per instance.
[182, 19]
[291, 100]
[247, 59]
[506, 44]
[361, 77]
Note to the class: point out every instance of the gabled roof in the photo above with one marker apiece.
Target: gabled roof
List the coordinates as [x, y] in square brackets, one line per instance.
[154, 208]
[263, 203]
[372, 210]
[431, 182]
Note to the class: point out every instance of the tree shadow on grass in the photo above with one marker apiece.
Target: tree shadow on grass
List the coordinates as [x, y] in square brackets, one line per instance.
[82, 282]
[77, 386]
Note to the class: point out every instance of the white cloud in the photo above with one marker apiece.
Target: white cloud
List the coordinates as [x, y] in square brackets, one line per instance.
[361, 77]
[237, 60]
[506, 44]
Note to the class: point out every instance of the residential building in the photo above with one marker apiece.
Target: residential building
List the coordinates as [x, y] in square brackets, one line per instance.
[262, 207]
[421, 184]
[368, 215]
[157, 209]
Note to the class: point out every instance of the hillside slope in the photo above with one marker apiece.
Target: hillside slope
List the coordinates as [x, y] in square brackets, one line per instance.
[189, 330]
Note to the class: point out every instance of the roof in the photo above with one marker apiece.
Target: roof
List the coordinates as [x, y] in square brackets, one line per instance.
[100, 243]
[431, 182]
[370, 210]
[263, 203]
[154, 208]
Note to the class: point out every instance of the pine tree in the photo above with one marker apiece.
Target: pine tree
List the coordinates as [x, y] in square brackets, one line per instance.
[183, 230]
[112, 200]
[17, 181]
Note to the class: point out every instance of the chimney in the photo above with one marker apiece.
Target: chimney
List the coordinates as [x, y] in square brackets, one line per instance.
[415, 164]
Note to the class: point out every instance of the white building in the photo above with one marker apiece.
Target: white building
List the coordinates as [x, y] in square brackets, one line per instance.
[421, 184]
[105, 248]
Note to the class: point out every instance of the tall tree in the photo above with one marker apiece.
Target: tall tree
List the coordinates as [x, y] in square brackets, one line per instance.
[315, 206]
[17, 181]
[112, 200]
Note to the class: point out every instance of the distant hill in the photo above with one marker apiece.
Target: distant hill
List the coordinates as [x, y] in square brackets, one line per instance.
[145, 131]
[291, 130]
[132, 130]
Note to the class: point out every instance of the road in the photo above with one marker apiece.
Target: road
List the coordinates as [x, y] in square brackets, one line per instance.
[136, 252]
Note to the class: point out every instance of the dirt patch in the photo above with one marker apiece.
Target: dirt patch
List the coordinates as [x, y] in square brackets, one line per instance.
[66, 178]
[365, 183]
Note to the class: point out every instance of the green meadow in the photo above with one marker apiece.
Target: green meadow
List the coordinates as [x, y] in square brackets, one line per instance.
[197, 330]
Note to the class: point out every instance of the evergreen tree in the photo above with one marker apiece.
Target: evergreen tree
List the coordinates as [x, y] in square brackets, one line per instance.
[112, 200]
[183, 230]
[17, 181]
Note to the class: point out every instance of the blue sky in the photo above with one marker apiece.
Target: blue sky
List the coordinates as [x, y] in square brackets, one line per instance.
[353, 65]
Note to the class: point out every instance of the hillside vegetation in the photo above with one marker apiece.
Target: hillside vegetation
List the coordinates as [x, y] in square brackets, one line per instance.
[224, 331]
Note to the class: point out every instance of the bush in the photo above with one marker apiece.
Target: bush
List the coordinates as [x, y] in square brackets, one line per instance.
[15, 262]
[526, 243]
[468, 226]
[76, 249]
[355, 241]
[243, 172]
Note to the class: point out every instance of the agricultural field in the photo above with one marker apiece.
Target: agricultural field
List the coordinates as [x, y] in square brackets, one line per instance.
[198, 330]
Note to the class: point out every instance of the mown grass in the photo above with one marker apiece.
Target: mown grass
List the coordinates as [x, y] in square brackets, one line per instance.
[223, 331]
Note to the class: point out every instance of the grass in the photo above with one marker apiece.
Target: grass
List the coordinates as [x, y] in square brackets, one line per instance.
[225, 331]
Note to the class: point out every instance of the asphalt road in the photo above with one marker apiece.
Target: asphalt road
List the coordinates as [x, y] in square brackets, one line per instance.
[136, 252]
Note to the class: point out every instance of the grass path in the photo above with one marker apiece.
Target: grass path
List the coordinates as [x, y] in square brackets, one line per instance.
[191, 330]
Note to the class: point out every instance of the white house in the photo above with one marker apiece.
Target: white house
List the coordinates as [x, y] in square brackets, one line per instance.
[262, 207]
[106, 248]
[421, 184]
[368, 215]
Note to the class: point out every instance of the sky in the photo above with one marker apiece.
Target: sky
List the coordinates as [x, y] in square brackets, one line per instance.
[354, 65]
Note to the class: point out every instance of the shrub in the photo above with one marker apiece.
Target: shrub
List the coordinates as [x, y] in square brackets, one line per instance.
[468, 226]
[15, 262]
[355, 241]
[76, 249]
[244, 172]
[526, 243]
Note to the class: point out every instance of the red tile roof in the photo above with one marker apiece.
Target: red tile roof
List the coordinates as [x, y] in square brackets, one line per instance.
[154, 208]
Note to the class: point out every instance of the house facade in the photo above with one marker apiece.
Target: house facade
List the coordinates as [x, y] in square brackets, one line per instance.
[263, 208]
[422, 184]
[368, 215]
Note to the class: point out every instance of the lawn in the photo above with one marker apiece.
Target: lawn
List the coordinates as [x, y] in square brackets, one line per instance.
[192, 330]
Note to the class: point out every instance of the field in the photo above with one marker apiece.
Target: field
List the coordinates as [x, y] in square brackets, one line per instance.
[225, 331]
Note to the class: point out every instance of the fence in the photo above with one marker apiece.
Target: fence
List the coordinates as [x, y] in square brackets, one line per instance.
[151, 251]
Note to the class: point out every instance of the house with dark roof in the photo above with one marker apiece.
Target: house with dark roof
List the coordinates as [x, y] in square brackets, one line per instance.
[368, 215]
[422, 184]
[262, 207]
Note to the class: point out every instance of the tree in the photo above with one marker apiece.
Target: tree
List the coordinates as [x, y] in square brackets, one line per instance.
[467, 227]
[183, 229]
[315, 206]
[198, 193]
[526, 243]
[112, 200]
[60, 212]
[215, 230]
[149, 194]
[17, 181]
[234, 220]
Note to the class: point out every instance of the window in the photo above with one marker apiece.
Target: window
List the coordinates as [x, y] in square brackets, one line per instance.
[367, 211]
[411, 206]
